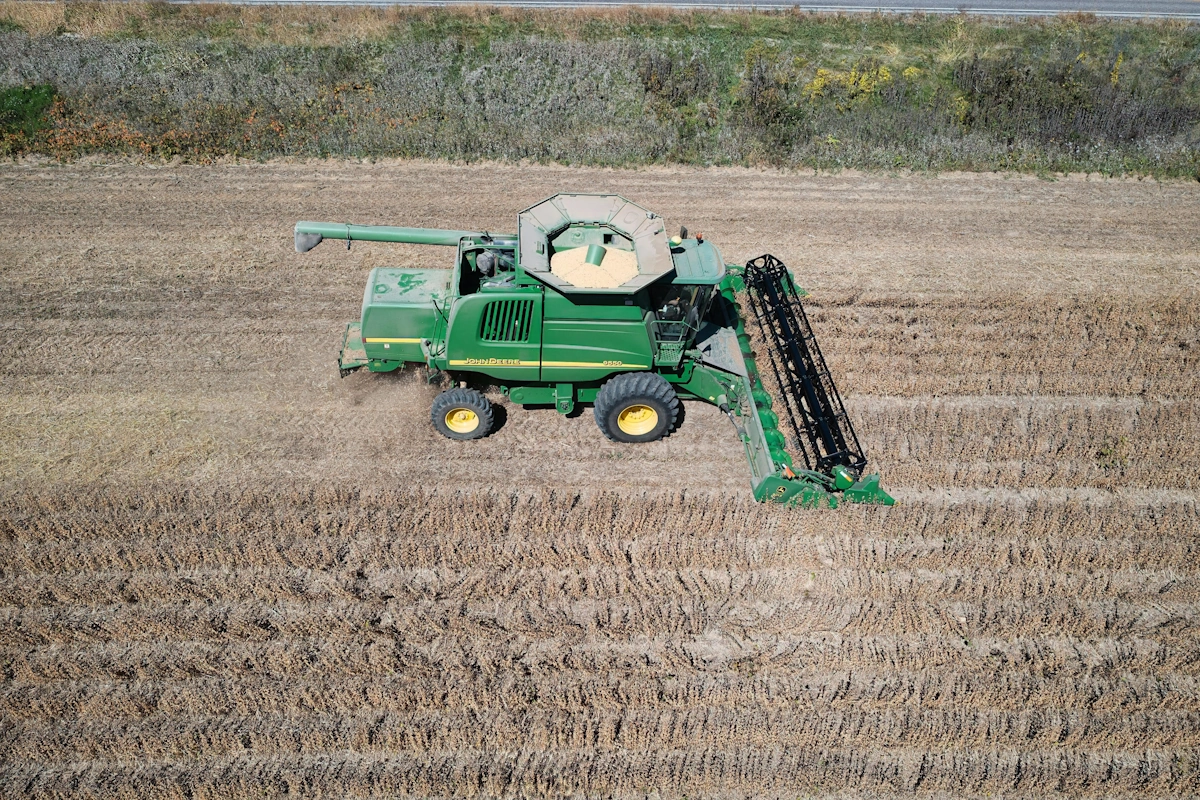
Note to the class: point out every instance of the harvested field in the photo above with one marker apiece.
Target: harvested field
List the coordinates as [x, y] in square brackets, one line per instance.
[226, 572]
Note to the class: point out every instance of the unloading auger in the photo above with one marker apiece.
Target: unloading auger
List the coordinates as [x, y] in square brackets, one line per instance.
[591, 302]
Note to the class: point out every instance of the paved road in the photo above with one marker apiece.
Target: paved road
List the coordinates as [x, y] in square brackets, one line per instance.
[1186, 9]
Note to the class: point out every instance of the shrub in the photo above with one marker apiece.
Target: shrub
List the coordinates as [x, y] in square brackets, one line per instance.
[626, 88]
[1080, 100]
[23, 109]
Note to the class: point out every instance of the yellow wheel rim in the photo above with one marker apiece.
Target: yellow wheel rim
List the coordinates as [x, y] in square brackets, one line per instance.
[637, 420]
[462, 420]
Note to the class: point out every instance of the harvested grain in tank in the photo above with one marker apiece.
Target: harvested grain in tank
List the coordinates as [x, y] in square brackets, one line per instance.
[617, 267]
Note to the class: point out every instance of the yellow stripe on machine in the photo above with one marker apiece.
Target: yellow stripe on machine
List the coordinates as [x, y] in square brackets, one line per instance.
[593, 364]
[394, 341]
[512, 362]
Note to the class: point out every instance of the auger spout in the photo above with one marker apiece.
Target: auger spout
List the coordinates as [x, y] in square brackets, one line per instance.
[310, 234]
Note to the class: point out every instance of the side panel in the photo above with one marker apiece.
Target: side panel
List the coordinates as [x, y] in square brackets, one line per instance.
[587, 350]
[497, 334]
[593, 338]
[627, 308]
[398, 311]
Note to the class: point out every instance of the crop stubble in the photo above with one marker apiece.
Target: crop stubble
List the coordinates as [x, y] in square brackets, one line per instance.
[226, 571]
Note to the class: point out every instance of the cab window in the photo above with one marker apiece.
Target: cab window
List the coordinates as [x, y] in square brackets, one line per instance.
[678, 309]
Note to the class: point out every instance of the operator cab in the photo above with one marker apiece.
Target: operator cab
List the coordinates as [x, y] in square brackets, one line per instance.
[488, 264]
[678, 310]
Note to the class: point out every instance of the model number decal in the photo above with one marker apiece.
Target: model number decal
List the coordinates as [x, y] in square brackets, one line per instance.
[614, 363]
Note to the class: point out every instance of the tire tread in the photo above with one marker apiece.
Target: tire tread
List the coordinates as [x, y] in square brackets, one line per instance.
[620, 389]
[469, 398]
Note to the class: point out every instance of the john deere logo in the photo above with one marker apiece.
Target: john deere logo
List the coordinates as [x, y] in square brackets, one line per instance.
[493, 362]
[408, 281]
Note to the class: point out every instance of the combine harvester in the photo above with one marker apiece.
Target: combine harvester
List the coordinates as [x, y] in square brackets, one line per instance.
[591, 302]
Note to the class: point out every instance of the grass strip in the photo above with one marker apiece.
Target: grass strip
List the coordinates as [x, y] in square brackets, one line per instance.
[617, 87]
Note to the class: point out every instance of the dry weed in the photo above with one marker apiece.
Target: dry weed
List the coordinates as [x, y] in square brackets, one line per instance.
[382, 641]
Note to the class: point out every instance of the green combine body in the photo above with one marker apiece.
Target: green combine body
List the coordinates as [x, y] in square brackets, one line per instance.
[592, 303]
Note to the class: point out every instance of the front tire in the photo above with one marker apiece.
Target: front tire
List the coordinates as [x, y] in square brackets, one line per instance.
[462, 414]
[636, 407]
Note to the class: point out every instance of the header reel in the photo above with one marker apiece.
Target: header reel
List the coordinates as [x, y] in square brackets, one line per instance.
[803, 396]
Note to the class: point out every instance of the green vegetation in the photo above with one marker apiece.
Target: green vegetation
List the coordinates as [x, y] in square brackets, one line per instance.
[23, 108]
[620, 87]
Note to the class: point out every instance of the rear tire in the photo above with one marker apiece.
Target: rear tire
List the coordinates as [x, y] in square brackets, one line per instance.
[636, 407]
[462, 414]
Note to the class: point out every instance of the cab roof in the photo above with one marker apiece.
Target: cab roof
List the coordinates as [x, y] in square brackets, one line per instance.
[697, 261]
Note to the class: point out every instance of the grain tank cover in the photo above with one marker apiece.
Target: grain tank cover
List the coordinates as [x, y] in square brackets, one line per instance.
[593, 243]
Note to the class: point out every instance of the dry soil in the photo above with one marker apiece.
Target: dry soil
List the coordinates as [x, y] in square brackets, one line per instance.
[226, 572]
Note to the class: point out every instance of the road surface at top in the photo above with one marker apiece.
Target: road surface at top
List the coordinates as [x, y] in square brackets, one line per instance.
[1182, 9]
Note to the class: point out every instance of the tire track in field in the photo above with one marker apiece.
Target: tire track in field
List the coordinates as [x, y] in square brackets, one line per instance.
[158, 736]
[1115, 682]
[763, 771]
[860, 604]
